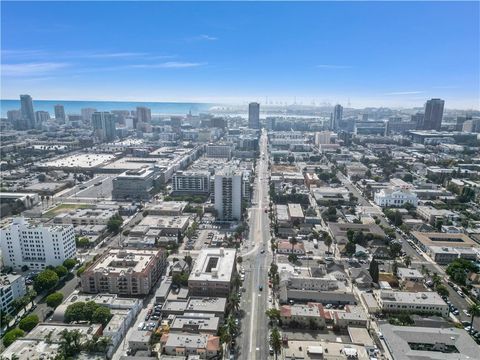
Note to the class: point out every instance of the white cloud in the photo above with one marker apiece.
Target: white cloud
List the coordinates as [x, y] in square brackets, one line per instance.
[332, 66]
[167, 65]
[415, 92]
[29, 69]
[203, 37]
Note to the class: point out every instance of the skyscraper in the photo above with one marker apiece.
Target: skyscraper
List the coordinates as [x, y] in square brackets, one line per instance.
[228, 194]
[337, 116]
[87, 114]
[254, 115]
[60, 113]
[433, 114]
[28, 115]
[144, 116]
[104, 125]
[418, 119]
[41, 117]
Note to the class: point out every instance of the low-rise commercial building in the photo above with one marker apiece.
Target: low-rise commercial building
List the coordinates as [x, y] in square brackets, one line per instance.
[212, 272]
[85, 217]
[433, 343]
[309, 315]
[411, 302]
[204, 346]
[195, 323]
[132, 272]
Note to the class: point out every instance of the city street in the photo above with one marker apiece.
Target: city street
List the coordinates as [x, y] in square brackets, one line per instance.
[253, 340]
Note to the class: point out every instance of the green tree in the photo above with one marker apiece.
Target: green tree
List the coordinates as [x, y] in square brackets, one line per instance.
[328, 242]
[350, 234]
[188, 259]
[474, 310]
[20, 303]
[234, 302]
[397, 220]
[408, 261]
[115, 223]
[61, 271]
[373, 270]
[82, 242]
[101, 315]
[442, 290]
[276, 342]
[359, 237]
[70, 263]
[28, 322]
[395, 249]
[70, 343]
[350, 248]
[55, 299]
[273, 314]
[293, 240]
[75, 312]
[89, 309]
[12, 335]
[45, 281]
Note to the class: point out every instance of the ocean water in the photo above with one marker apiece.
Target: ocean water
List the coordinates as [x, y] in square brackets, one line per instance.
[74, 107]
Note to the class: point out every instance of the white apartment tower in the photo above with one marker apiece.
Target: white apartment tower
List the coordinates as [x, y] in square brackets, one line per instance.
[228, 194]
[35, 245]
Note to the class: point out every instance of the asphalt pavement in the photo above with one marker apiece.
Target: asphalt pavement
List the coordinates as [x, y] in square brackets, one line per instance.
[253, 342]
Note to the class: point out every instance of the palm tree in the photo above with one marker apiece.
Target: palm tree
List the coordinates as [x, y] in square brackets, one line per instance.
[293, 240]
[328, 242]
[408, 261]
[42, 197]
[237, 281]
[474, 310]
[231, 325]
[436, 279]
[276, 342]
[234, 302]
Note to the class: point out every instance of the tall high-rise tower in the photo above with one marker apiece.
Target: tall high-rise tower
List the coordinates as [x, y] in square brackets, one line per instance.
[337, 116]
[144, 116]
[433, 114]
[254, 115]
[28, 115]
[228, 194]
[104, 125]
[60, 113]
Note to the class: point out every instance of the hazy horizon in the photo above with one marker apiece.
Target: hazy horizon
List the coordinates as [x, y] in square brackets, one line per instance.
[368, 54]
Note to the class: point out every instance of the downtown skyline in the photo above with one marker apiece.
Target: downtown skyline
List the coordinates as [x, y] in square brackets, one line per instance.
[368, 54]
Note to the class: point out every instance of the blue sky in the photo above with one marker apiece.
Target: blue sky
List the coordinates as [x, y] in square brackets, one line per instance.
[368, 53]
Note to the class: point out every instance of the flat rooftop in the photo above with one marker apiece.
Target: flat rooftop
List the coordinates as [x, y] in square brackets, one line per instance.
[79, 161]
[118, 260]
[444, 239]
[413, 343]
[214, 265]
[424, 297]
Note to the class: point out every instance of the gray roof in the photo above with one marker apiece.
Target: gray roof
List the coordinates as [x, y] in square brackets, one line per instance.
[399, 340]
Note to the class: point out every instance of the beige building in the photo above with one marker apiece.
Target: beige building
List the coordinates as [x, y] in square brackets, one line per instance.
[132, 272]
[411, 302]
[304, 315]
[212, 272]
[204, 346]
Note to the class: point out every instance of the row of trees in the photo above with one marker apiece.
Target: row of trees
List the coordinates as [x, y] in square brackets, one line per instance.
[88, 311]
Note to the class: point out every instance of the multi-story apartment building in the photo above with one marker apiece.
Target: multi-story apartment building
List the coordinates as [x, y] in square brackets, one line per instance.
[191, 182]
[219, 151]
[134, 184]
[132, 272]
[228, 194]
[11, 287]
[411, 302]
[85, 217]
[35, 245]
[212, 273]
